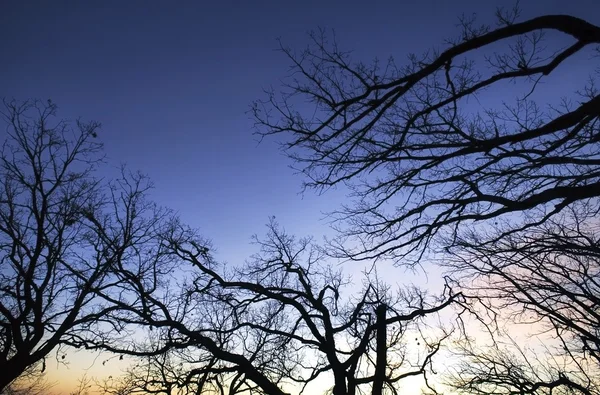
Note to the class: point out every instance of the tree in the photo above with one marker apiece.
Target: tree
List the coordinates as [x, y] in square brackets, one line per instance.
[96, 265]
[31, 382]
[156, 374]
[416, 159]
[506, 194]
[84, 385]
[64, 234]
[548, 279]
[281, 320]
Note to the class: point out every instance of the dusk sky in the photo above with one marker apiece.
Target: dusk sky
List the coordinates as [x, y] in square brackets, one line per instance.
[171, 83]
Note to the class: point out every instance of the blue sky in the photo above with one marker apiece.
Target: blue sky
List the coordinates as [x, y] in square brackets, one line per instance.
[172, 82]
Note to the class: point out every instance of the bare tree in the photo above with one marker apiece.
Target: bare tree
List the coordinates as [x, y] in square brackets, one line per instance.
[92, 264]
[515, 370]
[285, 319]
[547, 279]
[84, 385]
[506, 193]
[156, 374]
[416, 159]
[31, 382]
[63, 233]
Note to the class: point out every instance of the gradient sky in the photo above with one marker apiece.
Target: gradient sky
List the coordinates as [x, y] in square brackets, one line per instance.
[171, 83]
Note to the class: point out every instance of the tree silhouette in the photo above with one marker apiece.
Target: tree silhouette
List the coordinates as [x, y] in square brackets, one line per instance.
[506, 194]
[66, 237]
[283, 319]
[548, 279]
[417, 160]
[31, 382]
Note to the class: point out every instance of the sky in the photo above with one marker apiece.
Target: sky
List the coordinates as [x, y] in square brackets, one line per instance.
[172, 82]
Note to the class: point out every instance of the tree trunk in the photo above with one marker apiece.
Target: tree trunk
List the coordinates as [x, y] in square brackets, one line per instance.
[381, 361]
